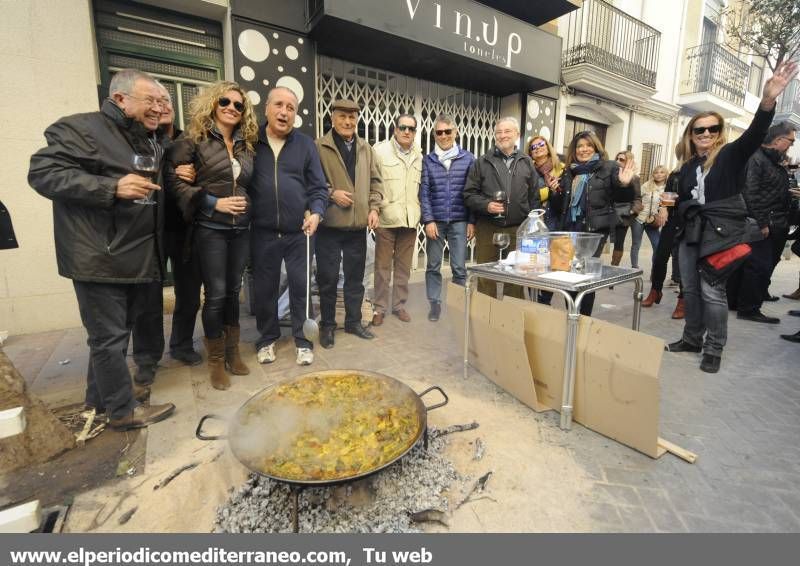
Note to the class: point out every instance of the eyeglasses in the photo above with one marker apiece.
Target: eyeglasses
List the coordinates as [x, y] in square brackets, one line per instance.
[445, 132]
[538, 144]
[715, 129]
[149, 100]
[224, 102]
[404, 128]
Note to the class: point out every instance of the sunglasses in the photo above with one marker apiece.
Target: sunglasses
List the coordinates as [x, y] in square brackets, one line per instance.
[621, 159]
[538, 144]
[715, 129]
[445, 132]
[404, 128]
[224, 102]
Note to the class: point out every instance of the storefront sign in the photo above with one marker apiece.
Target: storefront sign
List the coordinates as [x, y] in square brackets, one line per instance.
[458, 26]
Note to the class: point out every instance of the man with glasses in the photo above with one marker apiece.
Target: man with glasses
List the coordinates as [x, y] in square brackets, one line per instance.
[766, 192]
[106, 242]
[356, 191]
[501, 189]
[400, 163]
[445, 216]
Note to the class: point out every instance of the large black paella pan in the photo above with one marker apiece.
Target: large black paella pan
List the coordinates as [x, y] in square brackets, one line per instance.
[327, 427]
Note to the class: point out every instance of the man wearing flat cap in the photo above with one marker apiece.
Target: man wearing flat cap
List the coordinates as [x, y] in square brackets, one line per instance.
[356, 191]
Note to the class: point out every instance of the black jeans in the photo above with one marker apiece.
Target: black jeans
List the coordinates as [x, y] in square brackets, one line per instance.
[748, 286]
[108, 312]
[269, 249]
[186, 274]
[221, 256]
[666, 247]
[148, 329]
[348, 248]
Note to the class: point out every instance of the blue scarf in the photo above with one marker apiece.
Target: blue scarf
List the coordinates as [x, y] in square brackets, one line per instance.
[580, 178]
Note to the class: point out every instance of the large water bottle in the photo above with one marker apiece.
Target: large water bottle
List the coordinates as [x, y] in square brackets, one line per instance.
[533, 244]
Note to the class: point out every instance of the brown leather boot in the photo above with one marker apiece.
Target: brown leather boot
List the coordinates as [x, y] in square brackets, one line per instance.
[215, 347]
[680, 310]
[233, 360]
[616, 256]
[652, 297]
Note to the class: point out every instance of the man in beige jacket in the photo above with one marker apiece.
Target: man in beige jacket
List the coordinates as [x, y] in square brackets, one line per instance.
[401, 166]
[356, 191]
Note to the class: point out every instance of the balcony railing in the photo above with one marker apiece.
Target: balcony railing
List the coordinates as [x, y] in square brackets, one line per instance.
[607, 37]
[715, 70]
[789, 101]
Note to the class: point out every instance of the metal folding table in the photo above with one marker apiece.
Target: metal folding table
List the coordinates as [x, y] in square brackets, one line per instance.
[503, 274]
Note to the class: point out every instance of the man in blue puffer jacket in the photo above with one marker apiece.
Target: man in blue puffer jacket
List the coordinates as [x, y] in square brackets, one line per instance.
[444, 214]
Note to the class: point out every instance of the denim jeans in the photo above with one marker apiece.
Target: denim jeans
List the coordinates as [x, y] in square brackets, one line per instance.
[637, 229]
[706, 305]
[108, 312]
[455, 233]
[221, 256]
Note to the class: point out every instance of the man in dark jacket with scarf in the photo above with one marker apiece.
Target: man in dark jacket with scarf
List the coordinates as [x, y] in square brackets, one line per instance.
[508, 170]
[287, 182]
[445, 216]
[766, 192]
[105, 242]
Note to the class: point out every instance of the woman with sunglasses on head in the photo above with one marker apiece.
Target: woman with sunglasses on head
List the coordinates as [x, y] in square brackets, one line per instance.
[627, 211]
[708, 187]
[550, 168]
[219, 141]
[589, 187]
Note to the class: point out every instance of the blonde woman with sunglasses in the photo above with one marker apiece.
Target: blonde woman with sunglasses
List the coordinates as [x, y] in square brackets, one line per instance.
[219, 141]
[710, 200]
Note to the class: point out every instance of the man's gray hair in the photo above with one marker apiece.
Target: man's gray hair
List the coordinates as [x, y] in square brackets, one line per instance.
[445, 119]
[286, 88]
[124, 80]
[507, 119]
[165, 89]
[778, 130]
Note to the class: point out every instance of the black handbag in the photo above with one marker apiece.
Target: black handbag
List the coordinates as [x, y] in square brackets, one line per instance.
[602, 220]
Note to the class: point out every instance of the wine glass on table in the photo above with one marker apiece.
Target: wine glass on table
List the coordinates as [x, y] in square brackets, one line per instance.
[500, 196]
[146, 166]
[501, 241]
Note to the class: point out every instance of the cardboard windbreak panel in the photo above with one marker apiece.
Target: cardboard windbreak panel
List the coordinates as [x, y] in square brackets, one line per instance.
[616, 383]
[495, 347]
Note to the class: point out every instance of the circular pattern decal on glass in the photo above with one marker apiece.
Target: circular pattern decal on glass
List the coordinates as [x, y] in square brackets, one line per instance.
[533, 108]
[254, 97]
[247, 73]
[253, 45]
[292, 84]
[292, 52]
[545, 132]
[298, 121]
[303, 69]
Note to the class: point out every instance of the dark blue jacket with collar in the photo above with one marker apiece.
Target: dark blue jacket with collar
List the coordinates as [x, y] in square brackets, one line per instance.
[441, 191]
[282, 189]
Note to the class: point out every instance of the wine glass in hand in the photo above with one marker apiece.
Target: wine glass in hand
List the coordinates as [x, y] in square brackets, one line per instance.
[501, 241]
[500, 196]
[146, 166]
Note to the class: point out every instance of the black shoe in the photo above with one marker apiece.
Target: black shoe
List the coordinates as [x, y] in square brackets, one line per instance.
[188, 357]
[145, 375]
[710, 364]
[436, 310]
[360, 331]
[682, 346]
[758, 316]
[794, 313]
[326, 336]
[771, 298]
[792, 337]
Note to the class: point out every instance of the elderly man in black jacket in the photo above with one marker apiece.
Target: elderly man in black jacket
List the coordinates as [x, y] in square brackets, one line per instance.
[106, 243]
[766, 192]
[504, 170]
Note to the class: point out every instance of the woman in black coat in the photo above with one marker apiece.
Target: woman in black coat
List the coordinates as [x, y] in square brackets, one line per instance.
[711, 173]
[589, 187]
[219, 142]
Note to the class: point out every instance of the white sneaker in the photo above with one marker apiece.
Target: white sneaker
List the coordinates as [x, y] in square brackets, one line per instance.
[266, 354]
[305, 356]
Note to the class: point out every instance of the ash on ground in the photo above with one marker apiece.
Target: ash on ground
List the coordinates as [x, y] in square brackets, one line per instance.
[381, 503]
